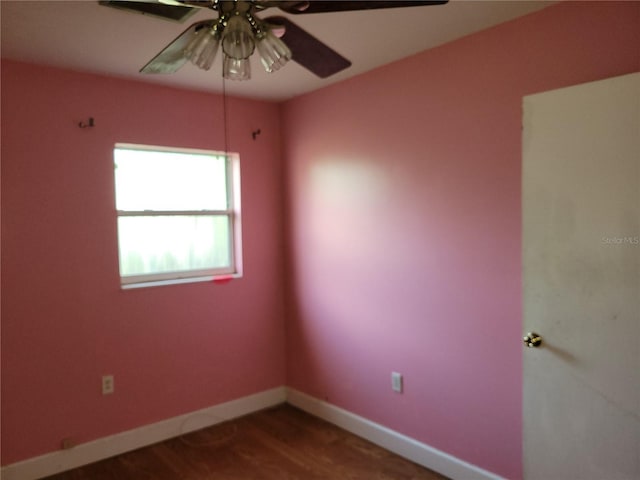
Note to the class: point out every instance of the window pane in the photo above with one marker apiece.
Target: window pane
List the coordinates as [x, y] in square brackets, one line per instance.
[169, 181]
[162, 244]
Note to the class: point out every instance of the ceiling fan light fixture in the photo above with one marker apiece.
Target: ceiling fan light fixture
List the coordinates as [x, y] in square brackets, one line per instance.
[236, 69]
[241, 33]
[274, 53]
[202, 49]
[238, 39]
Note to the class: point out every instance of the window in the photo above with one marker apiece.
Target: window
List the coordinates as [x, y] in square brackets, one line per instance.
[178, 215]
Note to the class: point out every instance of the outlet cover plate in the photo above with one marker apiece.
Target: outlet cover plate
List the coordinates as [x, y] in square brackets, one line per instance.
[108, 385]
[396, 382]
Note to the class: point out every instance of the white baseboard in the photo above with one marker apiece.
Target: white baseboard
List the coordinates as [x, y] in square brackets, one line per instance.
[393, 441]
[106, 447]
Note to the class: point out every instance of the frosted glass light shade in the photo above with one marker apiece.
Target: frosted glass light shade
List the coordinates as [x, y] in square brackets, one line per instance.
[237, 39]
[202, 48]
[236, 69]
[274, 53]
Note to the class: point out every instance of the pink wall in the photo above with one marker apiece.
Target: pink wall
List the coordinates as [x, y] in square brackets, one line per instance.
[404, 232]
[404, 227]
[65, 320]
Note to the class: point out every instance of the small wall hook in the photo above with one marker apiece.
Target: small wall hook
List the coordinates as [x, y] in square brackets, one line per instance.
[89, 124]
[255, 133]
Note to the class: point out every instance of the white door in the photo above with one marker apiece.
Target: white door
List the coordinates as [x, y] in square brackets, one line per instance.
[581, 277]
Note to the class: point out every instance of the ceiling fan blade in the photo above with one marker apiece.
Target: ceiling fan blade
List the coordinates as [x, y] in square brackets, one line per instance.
[319, 6]
[171, 58]
[175, 11]
[189, 3]
[308, 51]
[168, 3]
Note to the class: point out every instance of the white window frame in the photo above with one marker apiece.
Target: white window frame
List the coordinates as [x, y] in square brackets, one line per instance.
[232, 172]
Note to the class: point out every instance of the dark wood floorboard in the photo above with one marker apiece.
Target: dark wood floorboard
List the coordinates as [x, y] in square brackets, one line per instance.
[282, 443]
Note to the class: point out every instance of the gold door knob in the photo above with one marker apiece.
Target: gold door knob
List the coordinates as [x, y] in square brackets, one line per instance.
[532, 339]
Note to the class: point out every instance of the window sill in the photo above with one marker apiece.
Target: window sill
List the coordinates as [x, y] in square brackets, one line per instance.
[215, 279]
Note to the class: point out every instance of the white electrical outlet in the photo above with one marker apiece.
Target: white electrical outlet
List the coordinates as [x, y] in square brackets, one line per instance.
[108, 385]
[396, 382]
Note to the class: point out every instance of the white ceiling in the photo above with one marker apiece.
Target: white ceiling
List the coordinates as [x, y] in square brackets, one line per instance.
[82, 35]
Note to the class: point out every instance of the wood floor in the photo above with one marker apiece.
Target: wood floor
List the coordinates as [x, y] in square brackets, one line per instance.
[282, 443]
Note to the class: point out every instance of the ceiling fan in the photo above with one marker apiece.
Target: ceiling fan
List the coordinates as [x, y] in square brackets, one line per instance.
[240, 31]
